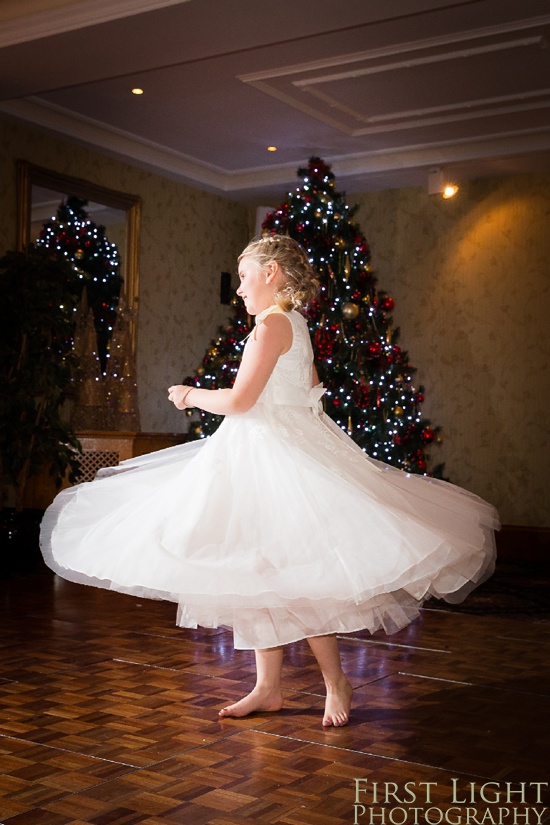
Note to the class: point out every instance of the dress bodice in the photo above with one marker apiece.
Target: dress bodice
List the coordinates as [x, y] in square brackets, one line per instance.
[291, 379]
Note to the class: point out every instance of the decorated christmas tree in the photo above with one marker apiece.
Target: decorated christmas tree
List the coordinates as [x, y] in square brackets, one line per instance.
[370, 393]
[89, 391]
[95, 261]
[121, 390]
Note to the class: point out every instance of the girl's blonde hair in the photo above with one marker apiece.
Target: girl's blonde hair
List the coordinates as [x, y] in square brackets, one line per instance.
[300, 284]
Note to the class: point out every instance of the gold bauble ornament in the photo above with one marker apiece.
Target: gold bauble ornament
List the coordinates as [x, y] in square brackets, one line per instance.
[350, 310]
[200, 370]
[79, 254]
[347, 268]
[399, 411]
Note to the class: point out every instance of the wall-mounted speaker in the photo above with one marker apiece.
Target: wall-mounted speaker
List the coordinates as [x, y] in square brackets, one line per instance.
[225, 288]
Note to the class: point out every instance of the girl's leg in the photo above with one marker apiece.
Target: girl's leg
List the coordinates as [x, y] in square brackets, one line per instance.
[267, 695]
[339, 691]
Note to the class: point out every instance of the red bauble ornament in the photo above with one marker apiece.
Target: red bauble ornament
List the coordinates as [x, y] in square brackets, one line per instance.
[427, 435]
[387, 304]
[375, 349]
[324, 343]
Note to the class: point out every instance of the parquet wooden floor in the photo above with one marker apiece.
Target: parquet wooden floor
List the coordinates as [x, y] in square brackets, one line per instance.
[108, 714]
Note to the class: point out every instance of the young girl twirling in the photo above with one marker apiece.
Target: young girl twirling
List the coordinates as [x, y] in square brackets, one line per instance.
[278, 525]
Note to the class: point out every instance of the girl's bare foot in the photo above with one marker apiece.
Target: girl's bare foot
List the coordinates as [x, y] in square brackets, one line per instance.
[338, 705]
[260, 699]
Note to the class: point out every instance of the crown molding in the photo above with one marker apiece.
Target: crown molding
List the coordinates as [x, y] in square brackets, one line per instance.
[443, 154]
[123, 145]
[397, 49]
[75, 16]
[178, 166]
[300, 85]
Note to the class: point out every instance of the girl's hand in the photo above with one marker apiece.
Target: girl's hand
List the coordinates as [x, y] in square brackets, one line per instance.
[178, 394]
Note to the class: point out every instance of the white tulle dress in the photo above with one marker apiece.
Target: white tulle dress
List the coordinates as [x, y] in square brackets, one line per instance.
[277, 526]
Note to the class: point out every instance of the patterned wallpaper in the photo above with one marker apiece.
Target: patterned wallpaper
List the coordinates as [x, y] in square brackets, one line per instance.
[470, 278]
[471, 281]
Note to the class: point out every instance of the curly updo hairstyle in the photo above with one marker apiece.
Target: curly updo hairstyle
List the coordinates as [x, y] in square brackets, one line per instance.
[300, 284]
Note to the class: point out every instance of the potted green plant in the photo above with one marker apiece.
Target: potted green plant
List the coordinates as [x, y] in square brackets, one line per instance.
[37, 363]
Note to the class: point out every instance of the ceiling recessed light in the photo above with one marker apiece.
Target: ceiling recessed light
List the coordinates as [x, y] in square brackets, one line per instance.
[271, 148]
[137, 91]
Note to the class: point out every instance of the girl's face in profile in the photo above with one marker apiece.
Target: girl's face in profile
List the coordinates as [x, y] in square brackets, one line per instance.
[256, 293]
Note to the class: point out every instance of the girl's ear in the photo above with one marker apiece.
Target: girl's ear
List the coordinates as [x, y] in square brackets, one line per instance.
[271, 271]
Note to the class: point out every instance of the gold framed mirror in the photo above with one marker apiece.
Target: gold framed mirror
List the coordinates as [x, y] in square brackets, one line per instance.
[39, 193]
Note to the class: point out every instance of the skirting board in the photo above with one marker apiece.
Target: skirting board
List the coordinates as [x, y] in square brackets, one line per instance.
[524, 544]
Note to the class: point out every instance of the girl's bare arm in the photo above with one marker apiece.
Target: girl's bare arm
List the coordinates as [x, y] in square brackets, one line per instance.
[269, 340]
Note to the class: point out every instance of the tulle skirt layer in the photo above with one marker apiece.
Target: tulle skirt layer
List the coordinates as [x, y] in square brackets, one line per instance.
[278, 526]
